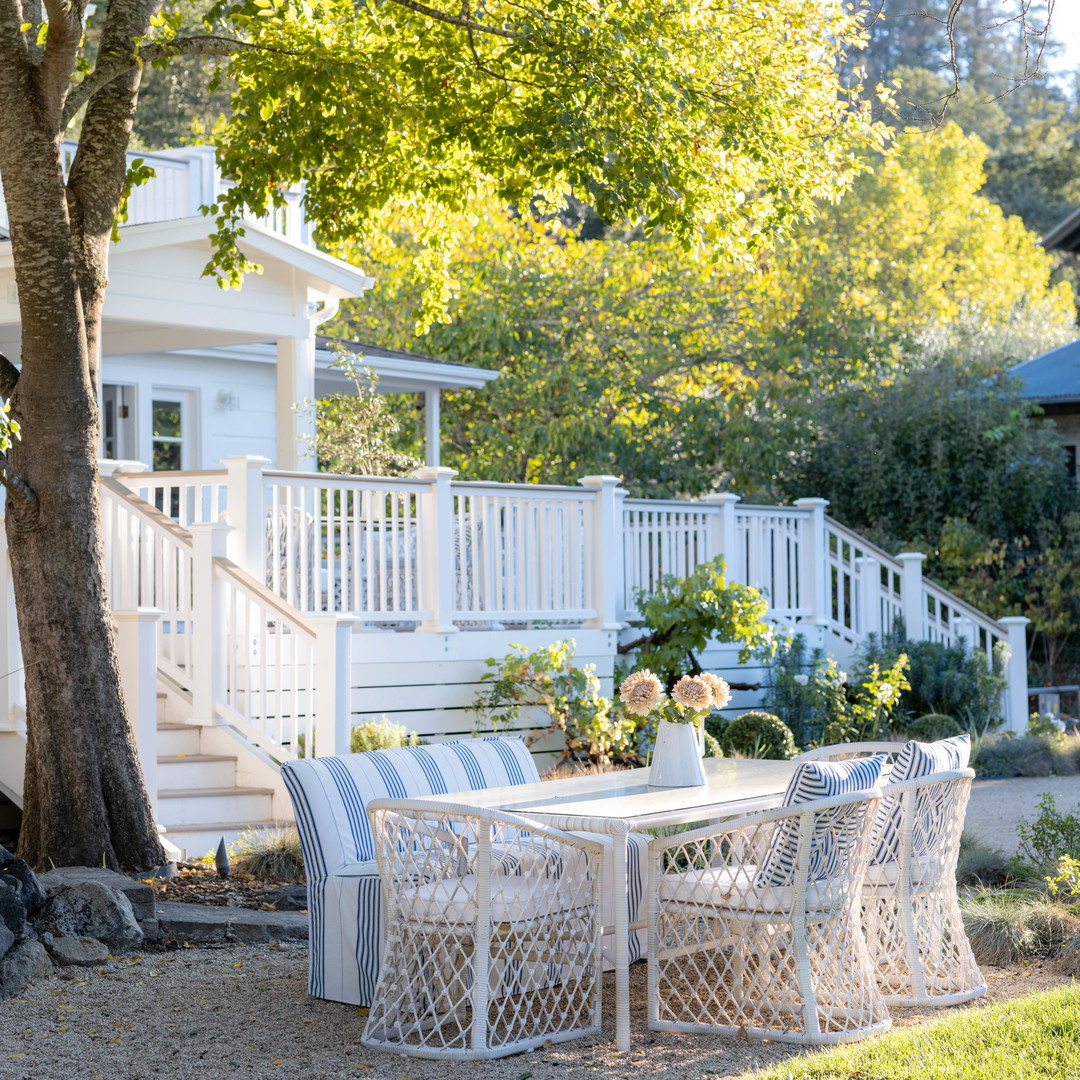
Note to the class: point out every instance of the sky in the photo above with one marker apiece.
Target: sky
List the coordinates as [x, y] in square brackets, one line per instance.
[1065, 27]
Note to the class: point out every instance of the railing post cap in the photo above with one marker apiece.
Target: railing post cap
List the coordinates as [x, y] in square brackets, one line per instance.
[810, 504]
[141, 614]
[911, 556]
[434, 472]
[601, 480]
[211, 527]
[337, 618]
[247, 459]
[118, 467]
[1014, 620]
[722, 497]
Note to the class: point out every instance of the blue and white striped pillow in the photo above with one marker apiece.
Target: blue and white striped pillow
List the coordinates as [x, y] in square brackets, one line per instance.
[914, 760]
[814, 780]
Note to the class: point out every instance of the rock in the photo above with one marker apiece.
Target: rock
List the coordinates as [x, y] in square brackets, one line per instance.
[76, 951]
[7, 939]
[287, 898]
[151, 929]
[22, 965]
[139, 894]
[91, 910]
[33, 893]
[12, 909]
[5, 857]
[196, 924]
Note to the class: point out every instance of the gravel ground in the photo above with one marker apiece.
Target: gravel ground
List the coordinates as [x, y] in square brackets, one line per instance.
[243, 1013]
[996, 805]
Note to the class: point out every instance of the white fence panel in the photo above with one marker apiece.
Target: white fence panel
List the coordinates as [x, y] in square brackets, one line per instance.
[770, 543]
[521, 553]
[189, 498]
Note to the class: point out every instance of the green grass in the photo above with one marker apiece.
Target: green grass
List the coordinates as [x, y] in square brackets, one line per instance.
[1028, 1038]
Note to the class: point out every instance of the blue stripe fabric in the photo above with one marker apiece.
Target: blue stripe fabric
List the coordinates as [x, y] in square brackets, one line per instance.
[814, 780]
[330, 797]
[914, 760]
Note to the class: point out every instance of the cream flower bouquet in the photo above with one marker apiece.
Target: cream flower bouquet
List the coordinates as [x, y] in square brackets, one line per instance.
[692, 698]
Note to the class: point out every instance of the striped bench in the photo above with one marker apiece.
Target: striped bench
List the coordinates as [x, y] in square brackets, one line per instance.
[330, 797]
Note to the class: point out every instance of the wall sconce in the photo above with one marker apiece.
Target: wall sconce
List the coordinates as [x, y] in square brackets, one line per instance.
[228, 400]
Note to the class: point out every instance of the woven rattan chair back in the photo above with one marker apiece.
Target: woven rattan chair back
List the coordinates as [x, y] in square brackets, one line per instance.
[737, 947]
[911, 913]
[493, 932]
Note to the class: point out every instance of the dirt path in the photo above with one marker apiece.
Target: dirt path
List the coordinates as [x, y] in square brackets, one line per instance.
[997, 805]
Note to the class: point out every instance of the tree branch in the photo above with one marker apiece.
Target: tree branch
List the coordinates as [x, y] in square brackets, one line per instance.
[456, 20]
[53, 74]
[18, 489]
[9, 376]
[113, 67]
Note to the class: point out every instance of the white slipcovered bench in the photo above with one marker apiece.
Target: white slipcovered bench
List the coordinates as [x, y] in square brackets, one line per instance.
[330, 797]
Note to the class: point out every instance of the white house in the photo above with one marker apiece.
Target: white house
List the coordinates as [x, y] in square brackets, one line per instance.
[321, 600]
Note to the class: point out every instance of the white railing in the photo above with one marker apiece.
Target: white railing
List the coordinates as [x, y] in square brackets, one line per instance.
[665, 538]
[770, 544]
[346, 544]
[522, 553]
[149, 564]
[189, 498]
[242, 655]
[186, 179]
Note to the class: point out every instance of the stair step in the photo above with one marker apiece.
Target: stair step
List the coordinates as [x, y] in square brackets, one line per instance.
[198, 840]
[184, 807]
[175, 739]
[184, 771]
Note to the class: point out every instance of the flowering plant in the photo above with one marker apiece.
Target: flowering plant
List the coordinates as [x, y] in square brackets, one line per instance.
[692, 698]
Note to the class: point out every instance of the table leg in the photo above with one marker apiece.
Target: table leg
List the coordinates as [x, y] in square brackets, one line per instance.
[620, 843]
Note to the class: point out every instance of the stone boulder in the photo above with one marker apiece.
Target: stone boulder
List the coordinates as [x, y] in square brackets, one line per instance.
[13, 909]
[22, 965]
[286, 898]
[33, 893]
[139, 894]
[91, 910]
[75, 951]
[7, 939]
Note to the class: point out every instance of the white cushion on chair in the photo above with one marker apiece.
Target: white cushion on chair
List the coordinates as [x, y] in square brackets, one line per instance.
[738, 888]
[513, 899]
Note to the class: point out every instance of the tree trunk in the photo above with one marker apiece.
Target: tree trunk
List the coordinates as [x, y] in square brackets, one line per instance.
[84, 797]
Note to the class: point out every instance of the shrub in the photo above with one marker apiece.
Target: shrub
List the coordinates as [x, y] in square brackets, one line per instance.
[1068, 954]
[1024, 755]
[758, 735]
[980, 864]
[569, 696]
[946, 680]
[1052, 833]
[269, 855]
[933, 726]
[381, 734]
[1006, 926]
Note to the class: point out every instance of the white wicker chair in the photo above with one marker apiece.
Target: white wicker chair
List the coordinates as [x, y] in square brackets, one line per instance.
[911, 916]
[493, 932]
[846, 751]
[742, 942]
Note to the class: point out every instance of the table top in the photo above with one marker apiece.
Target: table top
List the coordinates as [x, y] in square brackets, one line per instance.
[732, 786]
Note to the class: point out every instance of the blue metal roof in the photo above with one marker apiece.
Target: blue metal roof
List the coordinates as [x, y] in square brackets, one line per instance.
[1053, 376]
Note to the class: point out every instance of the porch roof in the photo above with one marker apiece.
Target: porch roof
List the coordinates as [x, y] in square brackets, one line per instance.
[1052, 377]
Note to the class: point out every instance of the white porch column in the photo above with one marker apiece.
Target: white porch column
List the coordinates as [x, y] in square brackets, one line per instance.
[247, 512]
[209, 541]
[869, 596]
[439, 582]
[723, 534]
[606, 557]
[136, 649]
[1016, 695]
[432, 444]
[814, 568]
[296, 402]
[12, 687]
[912, 604]
[333, 671]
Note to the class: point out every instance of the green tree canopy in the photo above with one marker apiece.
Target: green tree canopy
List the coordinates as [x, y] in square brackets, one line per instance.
[623, 354]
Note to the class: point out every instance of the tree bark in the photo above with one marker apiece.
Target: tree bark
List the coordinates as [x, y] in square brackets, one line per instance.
[84, 797]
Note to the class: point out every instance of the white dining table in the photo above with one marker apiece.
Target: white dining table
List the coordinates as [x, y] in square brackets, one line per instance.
[619, 803]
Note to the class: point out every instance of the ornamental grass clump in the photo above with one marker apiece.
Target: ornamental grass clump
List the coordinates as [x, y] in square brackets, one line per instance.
[269, 855]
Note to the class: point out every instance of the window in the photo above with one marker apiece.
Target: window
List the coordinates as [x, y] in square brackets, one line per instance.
[118, 422]
[1070, 460]
[169, 422]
